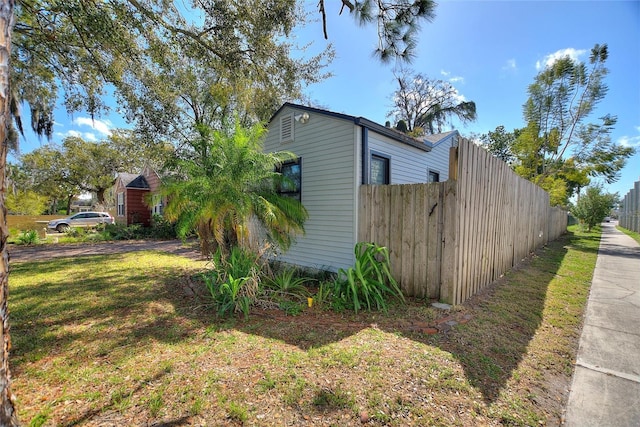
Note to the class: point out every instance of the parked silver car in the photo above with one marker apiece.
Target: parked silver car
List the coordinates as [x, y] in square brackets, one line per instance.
[82, 219]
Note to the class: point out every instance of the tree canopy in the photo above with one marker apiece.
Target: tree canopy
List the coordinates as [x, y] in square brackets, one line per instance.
[397, 23]
[78, 166]
[593, 206]
[427, 105]
[169, 72]
[560, 149]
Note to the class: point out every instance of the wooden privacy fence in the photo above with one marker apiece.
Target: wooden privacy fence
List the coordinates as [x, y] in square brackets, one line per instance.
[449, 240]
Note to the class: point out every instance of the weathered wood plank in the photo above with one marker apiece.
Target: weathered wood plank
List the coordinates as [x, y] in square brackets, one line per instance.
[421, 242]
[433, 216]
[450, 248]
[408, 214]
[395, 232]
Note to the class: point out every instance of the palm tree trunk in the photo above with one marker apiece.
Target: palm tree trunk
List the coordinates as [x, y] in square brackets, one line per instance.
[8, 416]
[207, 242]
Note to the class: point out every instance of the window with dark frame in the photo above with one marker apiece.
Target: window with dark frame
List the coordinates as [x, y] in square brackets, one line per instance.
[291, 183]
[380, 171]
[433, 176]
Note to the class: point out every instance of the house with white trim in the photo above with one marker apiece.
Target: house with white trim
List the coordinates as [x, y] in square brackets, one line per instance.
[336, 154]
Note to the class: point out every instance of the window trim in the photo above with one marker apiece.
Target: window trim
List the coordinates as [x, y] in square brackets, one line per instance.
[432, 171]
[291, 194]
[157, 204]
[376, 154]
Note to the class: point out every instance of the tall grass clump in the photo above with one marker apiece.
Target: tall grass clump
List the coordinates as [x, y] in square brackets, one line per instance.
[369, 283]
[29, 237]
[234, 281]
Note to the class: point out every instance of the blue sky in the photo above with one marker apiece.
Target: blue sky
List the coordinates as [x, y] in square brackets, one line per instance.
[489, 50]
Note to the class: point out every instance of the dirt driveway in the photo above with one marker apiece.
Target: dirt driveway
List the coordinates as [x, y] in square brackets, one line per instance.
[49, 251]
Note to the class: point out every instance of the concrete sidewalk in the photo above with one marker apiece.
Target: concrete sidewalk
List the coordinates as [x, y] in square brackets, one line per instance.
[605, 389]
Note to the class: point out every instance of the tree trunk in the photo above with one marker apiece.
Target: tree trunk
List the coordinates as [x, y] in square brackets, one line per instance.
[207, 242]
[8, 416]
[69, 200]
[100, 195]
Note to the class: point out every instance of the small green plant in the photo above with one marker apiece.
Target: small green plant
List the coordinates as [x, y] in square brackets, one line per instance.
[332, 399]
[40, 419]
[238, 412]
[369, 283]
[77, 232]
[196, 406]
[29, 237]
[291, 308]
[322, 297]
[234, 281]
[267, 383]
[288, 283]
[156, 402]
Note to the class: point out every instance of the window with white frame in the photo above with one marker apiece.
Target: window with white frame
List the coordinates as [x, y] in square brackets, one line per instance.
[120, 204]
[157, 205]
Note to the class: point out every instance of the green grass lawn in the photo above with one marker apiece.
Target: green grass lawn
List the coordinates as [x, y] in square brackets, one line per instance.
[128, 340]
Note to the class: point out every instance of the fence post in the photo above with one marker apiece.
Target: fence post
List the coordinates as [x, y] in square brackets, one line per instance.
[449, 252]
[453, 163]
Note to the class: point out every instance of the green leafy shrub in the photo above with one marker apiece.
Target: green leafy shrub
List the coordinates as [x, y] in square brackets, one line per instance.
[77, 232]
[162, 228]
[288, 283]
[123, 232]
[322, 297]
[234, 281]
[29, 237]
[369, 283]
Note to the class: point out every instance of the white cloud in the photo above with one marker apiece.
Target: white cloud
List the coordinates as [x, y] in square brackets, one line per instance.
[101, 126]
[88, 136]
[630, 141]
[549, 60]
[70, 133]
[454, 79]
[510, 65]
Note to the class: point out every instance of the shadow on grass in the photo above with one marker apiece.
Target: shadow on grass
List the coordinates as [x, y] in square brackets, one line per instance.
[99, 304]
[506, 316]
[490, 347]
[110, 315]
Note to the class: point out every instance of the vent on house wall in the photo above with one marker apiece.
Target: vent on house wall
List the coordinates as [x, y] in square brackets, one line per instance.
[286, 128]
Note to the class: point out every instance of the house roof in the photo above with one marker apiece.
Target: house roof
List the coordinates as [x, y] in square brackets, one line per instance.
[131, 180]
[361, 121]
[139, 182]
[437, 138]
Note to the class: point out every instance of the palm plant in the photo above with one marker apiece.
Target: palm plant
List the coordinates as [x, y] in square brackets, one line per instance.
[287, 282]
[223, 182]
